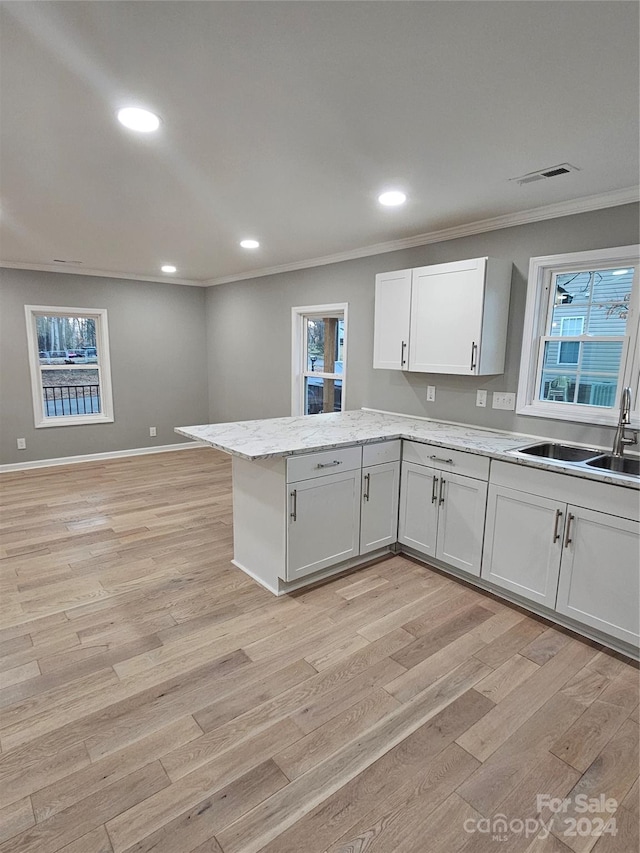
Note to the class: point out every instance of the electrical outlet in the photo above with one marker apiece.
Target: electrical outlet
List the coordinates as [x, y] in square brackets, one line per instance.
[431, 393]
[153, 432]
[22, 444]
[481, 399]
[504, 400]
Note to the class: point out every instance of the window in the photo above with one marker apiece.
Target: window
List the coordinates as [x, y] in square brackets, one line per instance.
[569, 351]
[69, 361]
[319, 359]
[581, 336]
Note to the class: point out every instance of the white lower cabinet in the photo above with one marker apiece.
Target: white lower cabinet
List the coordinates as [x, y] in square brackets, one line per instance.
[341, 504]
[523, 543]
[461, 522]
[379, 511]
[563, 543]
[580, 561]
[418, 522]
[599, 574]
[442, 513]
[324, 522]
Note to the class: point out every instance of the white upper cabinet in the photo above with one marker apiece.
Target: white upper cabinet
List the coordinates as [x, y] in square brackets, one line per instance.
[456, 315]
[392, 320]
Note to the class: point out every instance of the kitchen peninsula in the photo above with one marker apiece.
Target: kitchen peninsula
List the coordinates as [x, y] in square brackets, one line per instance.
[316, 495]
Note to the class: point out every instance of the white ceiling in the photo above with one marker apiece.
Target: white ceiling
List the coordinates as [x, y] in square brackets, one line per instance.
[284, 120]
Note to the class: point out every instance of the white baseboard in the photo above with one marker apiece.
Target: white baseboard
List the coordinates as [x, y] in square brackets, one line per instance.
[342, 568]
[95, 457]
[257, 579]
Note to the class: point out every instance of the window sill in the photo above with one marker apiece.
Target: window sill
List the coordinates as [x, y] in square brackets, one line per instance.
[74, 420]
[590, 416]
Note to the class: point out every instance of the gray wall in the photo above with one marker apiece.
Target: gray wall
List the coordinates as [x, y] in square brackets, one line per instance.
[249, 328]
[158, 362]
[164, 349]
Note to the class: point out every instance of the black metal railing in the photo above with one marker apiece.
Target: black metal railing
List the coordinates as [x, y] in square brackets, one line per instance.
[71, 400]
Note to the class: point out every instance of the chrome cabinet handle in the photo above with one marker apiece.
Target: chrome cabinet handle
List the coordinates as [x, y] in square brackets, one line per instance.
[567, 539]
[434, 491]
[474, 350]
[440, 459]
[403, 360]
[294, 508]
[441, 496]
[328, 464]
[367, 481]
[556, 535]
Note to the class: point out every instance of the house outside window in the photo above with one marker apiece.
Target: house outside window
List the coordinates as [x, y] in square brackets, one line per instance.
[319, 359]
[69, 362]
[569, 351]
[581, 335]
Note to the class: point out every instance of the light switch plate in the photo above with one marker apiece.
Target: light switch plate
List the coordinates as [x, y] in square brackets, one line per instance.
[481, 399]
[22, 444]
[431, 393]
[504, 400]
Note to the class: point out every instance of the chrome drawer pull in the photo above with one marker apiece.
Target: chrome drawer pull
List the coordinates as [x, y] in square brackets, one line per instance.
[328, 464]
[474, 350]
[403, 360]
[440, 459]
[567, 539]
[434, 495]
[367, 480]
[294, 509]
[442, 482]
[556, 535]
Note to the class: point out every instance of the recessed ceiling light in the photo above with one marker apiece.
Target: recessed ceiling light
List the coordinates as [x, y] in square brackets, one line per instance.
[168, 268]
[619, 272]
[249, 244]
[137, 119]
[392, 198]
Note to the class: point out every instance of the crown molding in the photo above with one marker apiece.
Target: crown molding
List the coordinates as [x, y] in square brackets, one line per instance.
[79, 270]
[585, 204]
[629, 195]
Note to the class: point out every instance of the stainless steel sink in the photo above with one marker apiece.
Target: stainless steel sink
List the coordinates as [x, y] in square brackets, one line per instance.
[617, 464]
[560, 452]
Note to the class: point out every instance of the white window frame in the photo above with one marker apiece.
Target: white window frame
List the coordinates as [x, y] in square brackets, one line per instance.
[103, 366]
[541, 272]
[299, 315]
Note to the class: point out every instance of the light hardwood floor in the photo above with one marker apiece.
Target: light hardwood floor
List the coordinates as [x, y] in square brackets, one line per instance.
[157, 700]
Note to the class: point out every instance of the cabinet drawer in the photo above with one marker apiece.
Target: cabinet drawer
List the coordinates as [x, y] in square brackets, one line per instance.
[322, 463]
[468, 464]
[602, 497]
[381, 451]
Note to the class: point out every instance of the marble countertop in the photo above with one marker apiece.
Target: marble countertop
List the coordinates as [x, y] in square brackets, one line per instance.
[278, 437]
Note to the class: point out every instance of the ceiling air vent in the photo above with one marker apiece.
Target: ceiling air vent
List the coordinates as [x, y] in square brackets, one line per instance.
[549, 172]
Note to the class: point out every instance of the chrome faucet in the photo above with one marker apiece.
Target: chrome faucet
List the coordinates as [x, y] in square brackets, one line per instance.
[621, 439]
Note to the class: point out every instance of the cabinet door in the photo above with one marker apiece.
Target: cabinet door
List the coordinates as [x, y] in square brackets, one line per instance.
[523, 543]
[391, 328]
[599, 573]
[324, 522]
[462, 504]
[446, 317]
[417, 524]
[379, 512]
